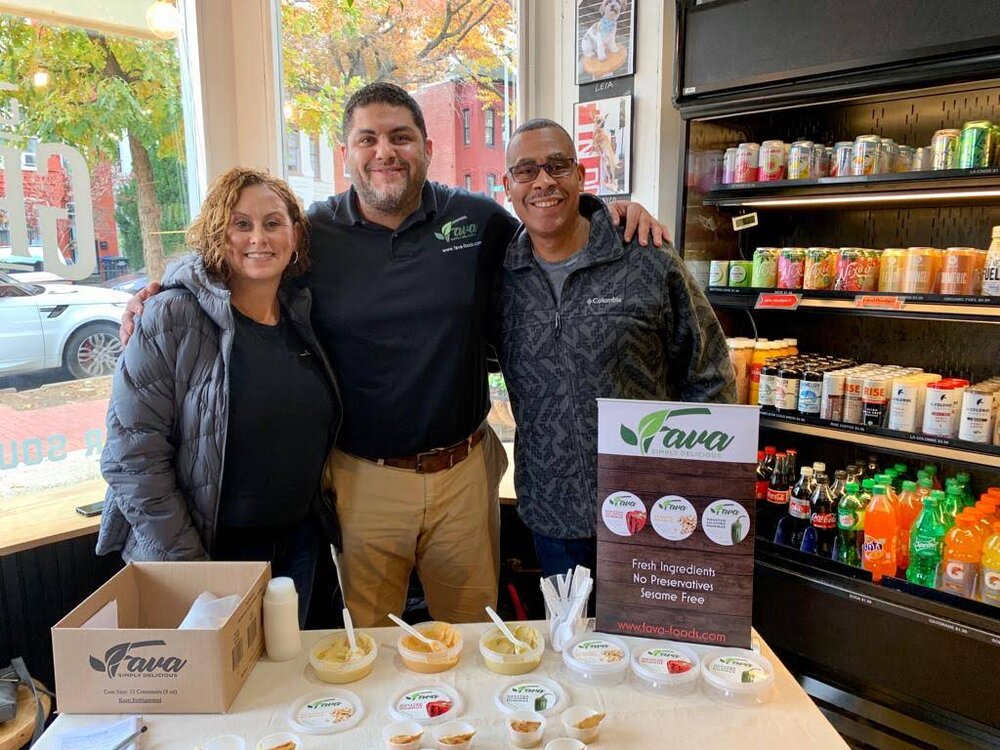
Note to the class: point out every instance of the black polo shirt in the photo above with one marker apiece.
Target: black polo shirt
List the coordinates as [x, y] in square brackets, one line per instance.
[402, 316]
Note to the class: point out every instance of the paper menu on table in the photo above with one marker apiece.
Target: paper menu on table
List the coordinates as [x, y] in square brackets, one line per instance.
[101, 737]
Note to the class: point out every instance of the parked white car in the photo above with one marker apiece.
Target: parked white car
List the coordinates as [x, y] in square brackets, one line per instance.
[45, 326]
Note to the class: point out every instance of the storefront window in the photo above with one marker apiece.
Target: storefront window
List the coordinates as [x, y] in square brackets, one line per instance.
[95, 197]
[489, 123]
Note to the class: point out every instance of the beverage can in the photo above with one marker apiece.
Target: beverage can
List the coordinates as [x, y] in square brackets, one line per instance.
[832, 398]
[875, 400]
[939, 408]
[975, 145]
[923, 159]
[887, 156]
[740, 272]
[800, 158]
[747, 162]
[958, 271]
[772, 161]
[729, 166]
[840, 164]
[765, 268]
[820, 161]
[854, 385]
[851, 269]
[791, 267]
[944, 149]
[891, 267]
[710, 169]
[718, 273]
[820, 268]
[865, 155]
[904, 158]
[919, 276]
[979, 408]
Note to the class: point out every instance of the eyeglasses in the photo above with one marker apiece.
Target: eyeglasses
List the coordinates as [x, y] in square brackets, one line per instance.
[528, 171]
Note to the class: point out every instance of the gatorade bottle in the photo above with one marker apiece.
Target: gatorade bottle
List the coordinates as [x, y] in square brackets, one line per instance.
[963, 550]
[989, 507]
[851, 526]
[880, 550]
[989, 579]
[908, 507]
[983, 527]
[952, 504]
[926, 544]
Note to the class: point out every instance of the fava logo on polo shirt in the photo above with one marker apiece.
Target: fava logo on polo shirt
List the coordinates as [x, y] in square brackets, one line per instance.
[457, 230]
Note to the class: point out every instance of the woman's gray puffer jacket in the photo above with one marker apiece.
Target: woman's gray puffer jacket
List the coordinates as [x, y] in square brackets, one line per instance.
[167, 418]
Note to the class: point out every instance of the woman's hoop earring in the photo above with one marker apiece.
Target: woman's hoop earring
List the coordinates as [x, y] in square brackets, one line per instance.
[295, 258]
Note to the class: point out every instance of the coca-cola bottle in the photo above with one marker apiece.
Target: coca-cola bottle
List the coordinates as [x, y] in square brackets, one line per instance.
[777, 498]
[765, 467]
[792, 527]
[823, 512]
[839, 484]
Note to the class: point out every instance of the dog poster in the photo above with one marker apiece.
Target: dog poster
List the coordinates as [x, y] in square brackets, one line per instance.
[602, 134]
[605, 39]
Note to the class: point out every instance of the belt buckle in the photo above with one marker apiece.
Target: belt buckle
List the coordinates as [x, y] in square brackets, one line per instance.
[420, 459]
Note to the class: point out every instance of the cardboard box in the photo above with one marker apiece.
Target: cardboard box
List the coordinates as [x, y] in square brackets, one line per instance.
[120, 651]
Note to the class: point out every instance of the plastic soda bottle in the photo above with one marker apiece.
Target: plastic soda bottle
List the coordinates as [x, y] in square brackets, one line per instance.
[925, 486]
[963, 480]
[989, 579]
[932, 472]
[851, 526]
[880, 549]
[792, 527]
[926, 544]
[908, 507]
[988, 505]
[823, 515]
[963, 550]
[952, 504]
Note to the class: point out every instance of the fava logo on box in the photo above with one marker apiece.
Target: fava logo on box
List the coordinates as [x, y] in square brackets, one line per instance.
[123, 659]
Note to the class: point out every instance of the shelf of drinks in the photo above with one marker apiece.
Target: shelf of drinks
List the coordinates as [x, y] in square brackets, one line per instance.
[890, 304]
[981, 184]
[939, 609]
[903, 443]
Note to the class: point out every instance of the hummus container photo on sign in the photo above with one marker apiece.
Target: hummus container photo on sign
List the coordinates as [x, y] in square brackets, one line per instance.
[326, 712]
[666, 668]
[737, 676]
[623, 513]
[596, 659]
[426, 704]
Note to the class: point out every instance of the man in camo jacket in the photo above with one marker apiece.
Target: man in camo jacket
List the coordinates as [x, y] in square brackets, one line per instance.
[582, 315]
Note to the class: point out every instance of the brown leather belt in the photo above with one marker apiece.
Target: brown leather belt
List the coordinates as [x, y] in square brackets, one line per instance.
[439, 459]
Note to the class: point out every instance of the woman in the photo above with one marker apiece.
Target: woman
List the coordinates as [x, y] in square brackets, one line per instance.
[224, 407]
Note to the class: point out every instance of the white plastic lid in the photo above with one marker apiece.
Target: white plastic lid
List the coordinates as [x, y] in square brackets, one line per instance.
[665, 662]
[280, 589]
[326, 712]
[537, 694]
[426, 704]
[596, 653]
[738, 671]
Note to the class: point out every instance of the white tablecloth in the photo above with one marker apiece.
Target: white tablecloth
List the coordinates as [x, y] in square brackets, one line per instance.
[635, 719]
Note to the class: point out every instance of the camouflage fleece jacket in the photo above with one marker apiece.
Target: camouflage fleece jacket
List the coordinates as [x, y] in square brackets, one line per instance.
[632, 324]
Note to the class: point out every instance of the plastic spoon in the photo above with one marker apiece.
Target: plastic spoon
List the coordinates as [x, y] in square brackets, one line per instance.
[435, 645]
[349, 627]
[519, 646]
[567, 628]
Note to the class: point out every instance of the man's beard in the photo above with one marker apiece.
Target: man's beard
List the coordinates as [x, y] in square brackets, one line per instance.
[392, 200]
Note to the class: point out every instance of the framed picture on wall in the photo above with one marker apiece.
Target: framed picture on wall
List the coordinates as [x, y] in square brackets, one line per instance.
[605, 39]
[602, 134]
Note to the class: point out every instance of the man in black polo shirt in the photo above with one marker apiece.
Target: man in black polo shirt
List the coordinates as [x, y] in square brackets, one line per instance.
[401, 277]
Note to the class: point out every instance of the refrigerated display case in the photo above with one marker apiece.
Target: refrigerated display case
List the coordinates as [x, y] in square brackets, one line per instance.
[892, 664]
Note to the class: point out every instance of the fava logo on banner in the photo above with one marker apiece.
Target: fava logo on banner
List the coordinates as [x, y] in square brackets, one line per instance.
[675, 520]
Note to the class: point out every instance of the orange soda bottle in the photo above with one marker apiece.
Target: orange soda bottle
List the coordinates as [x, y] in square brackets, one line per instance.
[880, 552]
[908, 507]
[963, 551]
[989, 577]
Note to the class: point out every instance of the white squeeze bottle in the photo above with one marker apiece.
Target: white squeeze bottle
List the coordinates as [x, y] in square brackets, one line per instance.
[991, 271]
[282, 638]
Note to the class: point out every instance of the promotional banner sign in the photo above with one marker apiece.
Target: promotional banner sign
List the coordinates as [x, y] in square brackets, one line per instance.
[675, 520]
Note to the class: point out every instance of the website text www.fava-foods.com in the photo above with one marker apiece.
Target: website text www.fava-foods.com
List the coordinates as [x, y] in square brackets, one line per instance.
[671, 631]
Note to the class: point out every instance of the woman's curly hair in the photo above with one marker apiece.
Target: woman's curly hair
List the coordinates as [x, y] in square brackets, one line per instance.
[207, 234]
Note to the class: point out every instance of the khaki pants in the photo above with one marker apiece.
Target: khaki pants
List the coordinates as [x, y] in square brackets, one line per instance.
[445, 524]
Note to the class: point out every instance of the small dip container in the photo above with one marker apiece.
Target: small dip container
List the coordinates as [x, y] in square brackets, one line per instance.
[565, 743]
[573, 715]
[737, 676]
[418, 656]
[666, 668]
[596, 659]
[401, 730]
[519, 728]
[332, 710]
[330, 658]
[278, 739]
[498, 652]
[446, 735]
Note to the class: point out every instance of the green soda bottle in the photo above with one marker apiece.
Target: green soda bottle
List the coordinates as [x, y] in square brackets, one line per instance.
[851, 525]
[932, 472]
[900, 471]
[952, 504]
[963, 480]
[867, 490]
[926, 543]
[940, 497]
[925, 486]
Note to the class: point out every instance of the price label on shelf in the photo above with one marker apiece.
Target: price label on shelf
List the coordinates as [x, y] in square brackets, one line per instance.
[777, 301]
[879, 302]
[745, 221]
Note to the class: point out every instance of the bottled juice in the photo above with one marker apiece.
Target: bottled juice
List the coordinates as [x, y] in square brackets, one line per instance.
[989, 578]
[963, 550]
[908, 507]
[880, 550]
[760, 353]
[926, 544]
